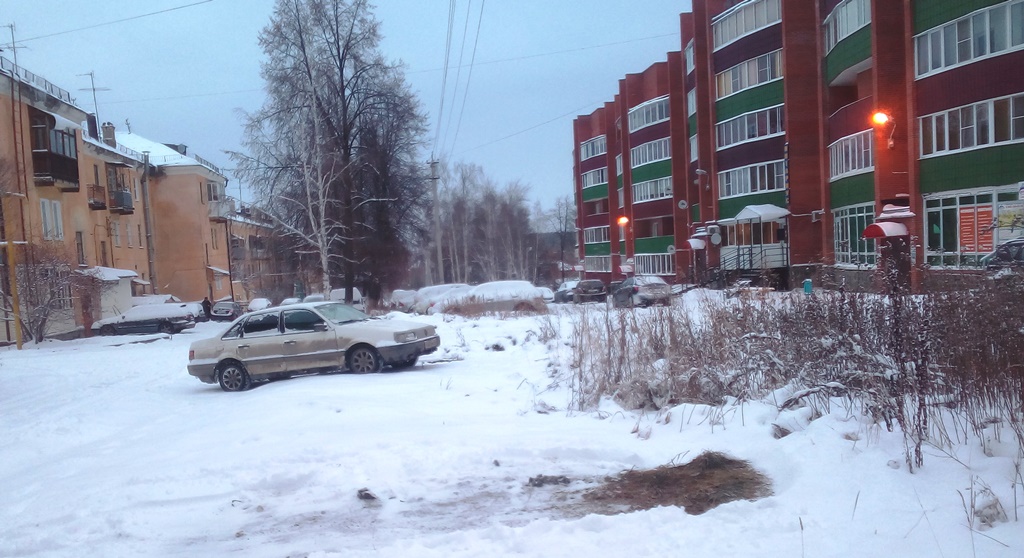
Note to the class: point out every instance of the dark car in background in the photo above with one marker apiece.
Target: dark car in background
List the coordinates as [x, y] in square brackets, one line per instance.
[172, 317]
[226, 311]
[642, 290]
[564, 291]
[1008, 254]
[589, 290]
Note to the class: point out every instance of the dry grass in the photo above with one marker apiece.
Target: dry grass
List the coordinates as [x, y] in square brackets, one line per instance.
[708, 481]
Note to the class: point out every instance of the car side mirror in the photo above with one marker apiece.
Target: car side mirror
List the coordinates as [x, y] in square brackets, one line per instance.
[320, 326]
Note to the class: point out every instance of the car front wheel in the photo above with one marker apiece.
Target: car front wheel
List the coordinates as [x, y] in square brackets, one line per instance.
[107, 330]
[166, 327]
[363, 360]
[232, 376]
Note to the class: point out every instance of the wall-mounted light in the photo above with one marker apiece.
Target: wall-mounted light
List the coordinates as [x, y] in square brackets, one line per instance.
[701, 173]
[623, 221]
[880, 119]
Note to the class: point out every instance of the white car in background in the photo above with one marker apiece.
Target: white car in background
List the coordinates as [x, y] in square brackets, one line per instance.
[259, 304]
[304, 338]
[149, 318]
[495, 296]
[429, 296]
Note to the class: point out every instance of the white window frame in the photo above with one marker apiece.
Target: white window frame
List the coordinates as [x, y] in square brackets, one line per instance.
[746, 127]
[649, 190]
[846, 19]
[688, 57]
[595, 235]
[849, 247]
[648, 113]
[749, 73]
[52, 219]
[597, 264]
[694, 148]
[975, 36]
[853, 154]
[939, 132]
[595, 177]
[593, 147]
[752, 179]
[745, 19]
[650, 152]
[115, 233]
[655, 264]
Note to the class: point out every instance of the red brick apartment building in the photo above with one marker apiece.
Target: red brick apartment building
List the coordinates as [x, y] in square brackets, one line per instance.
[838, 140]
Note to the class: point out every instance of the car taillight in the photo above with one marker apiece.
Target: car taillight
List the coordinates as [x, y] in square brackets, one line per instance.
[191, 354]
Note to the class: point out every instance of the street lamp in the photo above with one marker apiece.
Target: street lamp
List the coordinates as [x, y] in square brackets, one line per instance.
[880, 119]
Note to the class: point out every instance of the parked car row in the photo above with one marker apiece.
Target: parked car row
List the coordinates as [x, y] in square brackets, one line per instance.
[639, 290]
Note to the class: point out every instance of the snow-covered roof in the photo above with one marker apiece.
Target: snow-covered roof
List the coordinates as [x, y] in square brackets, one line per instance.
[108, 273]
[697, 243]
[218, 270]
[765, 212]
[891, 211]
[160, 154]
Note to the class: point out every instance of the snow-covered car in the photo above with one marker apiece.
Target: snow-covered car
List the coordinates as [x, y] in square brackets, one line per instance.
[148, 318]
[290, 300]
[495, 296]
[259, 304]
[429, 296]
[225, 311]
[402, 299]
[305, 338]
[315, 297]
[642, 290]
[564, 291]
[547, 294]
[589, 290]
[338, 295]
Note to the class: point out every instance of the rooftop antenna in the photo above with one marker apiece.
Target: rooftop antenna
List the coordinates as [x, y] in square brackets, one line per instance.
[94, 89]
[14, 47]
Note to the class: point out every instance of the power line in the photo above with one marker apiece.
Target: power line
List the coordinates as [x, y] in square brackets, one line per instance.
[458, 78]
[444, 76]
[112, 22]
[469, 78]
[535, 126]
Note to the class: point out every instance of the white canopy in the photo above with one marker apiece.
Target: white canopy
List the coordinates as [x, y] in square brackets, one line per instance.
[883, 229]
[766, 212]
[108, 273]
[696, 243]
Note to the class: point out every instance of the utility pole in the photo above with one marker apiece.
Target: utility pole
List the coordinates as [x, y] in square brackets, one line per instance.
[94, 89]
[437, 221]
[148, 219]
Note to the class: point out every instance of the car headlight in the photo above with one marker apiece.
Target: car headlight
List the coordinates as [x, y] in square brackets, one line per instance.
[405, 337]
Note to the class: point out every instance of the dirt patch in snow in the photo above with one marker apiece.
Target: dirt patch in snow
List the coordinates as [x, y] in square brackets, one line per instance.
[711, 479]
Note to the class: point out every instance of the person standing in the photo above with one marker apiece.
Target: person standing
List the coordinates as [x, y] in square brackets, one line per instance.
[207, 305]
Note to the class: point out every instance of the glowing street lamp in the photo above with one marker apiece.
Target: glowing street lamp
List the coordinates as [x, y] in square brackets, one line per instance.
[623, 221]
[880, 119]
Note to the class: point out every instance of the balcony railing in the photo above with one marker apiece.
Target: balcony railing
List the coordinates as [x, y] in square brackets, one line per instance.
[97, 196]
[120, 202]
[221, 210]
[38, 82]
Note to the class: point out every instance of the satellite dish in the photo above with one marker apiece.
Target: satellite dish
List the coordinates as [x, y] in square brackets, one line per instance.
[716, 239]
[683, 205]
[671, 249]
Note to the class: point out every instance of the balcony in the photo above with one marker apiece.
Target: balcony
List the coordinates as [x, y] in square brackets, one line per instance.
[55, 170]
[222, 210]
[120, 202]
[97, 196]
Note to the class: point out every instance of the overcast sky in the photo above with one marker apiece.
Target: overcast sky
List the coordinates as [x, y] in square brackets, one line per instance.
[182, 75]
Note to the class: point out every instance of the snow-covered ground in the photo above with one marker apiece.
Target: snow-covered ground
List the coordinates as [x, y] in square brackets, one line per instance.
[111, 449]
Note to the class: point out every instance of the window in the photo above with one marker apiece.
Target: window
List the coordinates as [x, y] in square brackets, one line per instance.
[847, 227]
[749, 126]
[618, 165]
[853, 154]
[261, 326]
[595, 177]
[743, 20]
[299, 321]
[80, 247]
[598, 264]
[762, 69]
[847, 18]
[649, 152]
[988, 122]
[596, 207]
[115, 233]
[593, 148]
[751, 179]
[595, 235]
[138, 230]
[52, 220]
[657, 189]
[214, 191]
[648, 113]
[694, 151]
[128, 233]
[55, 279]
[688, 57]
[654, 264]
[213, 238]
[691, 102]
[962, 227]
[986, 32]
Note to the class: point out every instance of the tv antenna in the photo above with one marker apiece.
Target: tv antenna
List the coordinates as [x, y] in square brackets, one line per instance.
[92, 87]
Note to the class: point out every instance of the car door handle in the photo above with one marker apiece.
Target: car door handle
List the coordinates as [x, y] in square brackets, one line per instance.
[289, 342]
[243, 346]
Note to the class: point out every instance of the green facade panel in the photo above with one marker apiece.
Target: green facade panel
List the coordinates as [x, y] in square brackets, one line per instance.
[991, 166]
[650, 171]
[932, 13]
[653, 245]
[599, 249]
[848, 52]
[730, 207]
[691, 124]
[695, 213]
[595, 192]
[853, 190]
[762, 96]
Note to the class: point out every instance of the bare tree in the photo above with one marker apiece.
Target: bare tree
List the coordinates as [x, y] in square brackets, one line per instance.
[335, 137]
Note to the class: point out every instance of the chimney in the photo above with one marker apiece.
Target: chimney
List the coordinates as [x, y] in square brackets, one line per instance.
[108, 134]
[93, 128]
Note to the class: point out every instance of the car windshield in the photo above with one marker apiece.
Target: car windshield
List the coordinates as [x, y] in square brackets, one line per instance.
[224, 305]
[649, 280]
[341, 313]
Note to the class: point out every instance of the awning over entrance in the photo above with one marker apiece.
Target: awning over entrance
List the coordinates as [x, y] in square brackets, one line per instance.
[108, 273]
[884, 229]
[218, 270]
[696, 243]
[138, 281]
[766, 212]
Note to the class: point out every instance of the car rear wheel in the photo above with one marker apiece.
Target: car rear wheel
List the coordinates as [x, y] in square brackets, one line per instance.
[363, 360]
[107, 330]
[166, 327]
[232, 376]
